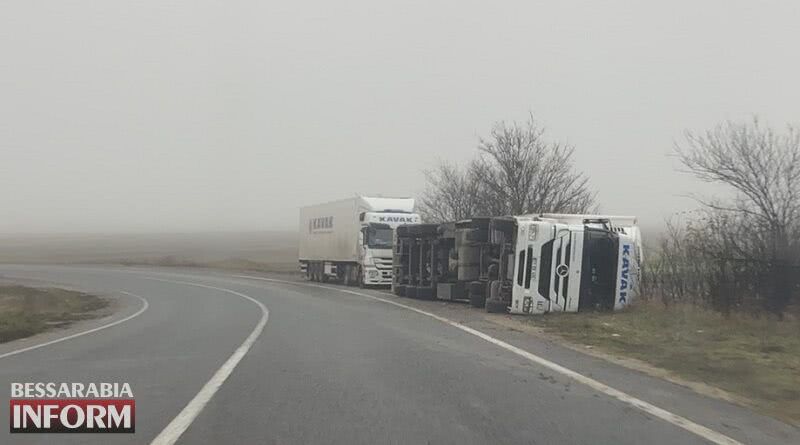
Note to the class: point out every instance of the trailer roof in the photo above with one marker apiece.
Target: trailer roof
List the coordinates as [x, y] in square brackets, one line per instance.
[377, 203]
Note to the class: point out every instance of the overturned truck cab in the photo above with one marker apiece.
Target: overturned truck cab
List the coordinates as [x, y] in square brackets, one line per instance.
[554, 264]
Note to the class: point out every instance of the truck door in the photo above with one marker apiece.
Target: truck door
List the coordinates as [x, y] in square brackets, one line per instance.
[518, 280]
[574, 261]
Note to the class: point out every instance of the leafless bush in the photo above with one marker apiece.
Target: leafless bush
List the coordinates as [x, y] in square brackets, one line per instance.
[674, 273]
[742, 252]
[516, 171]
[692, 264]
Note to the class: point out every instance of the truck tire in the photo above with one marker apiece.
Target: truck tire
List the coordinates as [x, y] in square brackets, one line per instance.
[494, 290]
[495, 303]
[411, 291]
[361, 282]
[503, 224]
[347, 279]
[477, 236]
[477, 294]
[422, 229]
[496, 306]
[400, 290]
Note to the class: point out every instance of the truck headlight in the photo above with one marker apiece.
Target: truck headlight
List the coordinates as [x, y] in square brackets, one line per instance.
[373, 274]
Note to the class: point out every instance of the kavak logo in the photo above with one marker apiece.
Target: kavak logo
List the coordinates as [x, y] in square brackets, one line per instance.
[72, 408]
[401, 219]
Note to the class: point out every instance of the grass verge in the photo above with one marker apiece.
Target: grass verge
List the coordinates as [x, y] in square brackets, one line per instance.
[755, 358]
[25, 311]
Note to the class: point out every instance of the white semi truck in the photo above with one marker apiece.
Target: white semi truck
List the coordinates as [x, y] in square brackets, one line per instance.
[350, 240]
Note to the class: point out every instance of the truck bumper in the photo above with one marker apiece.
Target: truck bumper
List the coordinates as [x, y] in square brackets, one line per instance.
[377, 277]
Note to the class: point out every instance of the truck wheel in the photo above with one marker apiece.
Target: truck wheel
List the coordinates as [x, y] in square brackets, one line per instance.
[347, 276]
[477, 293]
[495, 303]
[361, 283]
[503, 224]
[422, 229]
[494, 290]
[477, 236]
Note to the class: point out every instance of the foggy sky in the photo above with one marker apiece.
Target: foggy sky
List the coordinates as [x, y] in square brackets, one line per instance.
[195, 115]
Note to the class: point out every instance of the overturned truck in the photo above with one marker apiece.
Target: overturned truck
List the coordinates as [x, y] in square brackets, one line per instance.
[446, 261]
[528, 264]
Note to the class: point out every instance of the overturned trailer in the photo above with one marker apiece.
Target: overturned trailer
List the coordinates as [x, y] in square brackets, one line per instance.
[446, 261]
[529, 264]
[417, 259]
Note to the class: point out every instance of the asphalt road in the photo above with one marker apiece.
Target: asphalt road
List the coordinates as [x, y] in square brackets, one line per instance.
[332, 366]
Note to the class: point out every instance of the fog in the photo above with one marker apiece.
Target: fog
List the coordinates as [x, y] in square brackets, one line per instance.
[185, 116]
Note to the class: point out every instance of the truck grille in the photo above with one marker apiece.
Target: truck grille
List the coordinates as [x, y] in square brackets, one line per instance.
[383, 263]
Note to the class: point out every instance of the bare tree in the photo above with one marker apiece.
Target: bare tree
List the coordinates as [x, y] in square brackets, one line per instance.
[760, 164]
[759, 227]
[517, 171]
[520, 168]
[451, 195]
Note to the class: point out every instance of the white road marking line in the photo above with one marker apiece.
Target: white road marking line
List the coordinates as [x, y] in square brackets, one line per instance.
[144, 307]
[674, 419]
[181, 422]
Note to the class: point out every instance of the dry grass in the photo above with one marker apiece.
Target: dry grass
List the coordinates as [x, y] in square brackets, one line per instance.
[25, 311]
[757, 358]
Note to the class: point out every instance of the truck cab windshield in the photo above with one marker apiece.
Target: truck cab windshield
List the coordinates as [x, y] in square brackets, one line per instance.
[379, 236]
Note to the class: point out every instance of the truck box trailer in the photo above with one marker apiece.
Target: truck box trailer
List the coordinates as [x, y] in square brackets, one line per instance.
[351, 240]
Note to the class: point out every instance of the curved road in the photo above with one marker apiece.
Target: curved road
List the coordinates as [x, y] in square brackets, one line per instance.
[333, 365]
